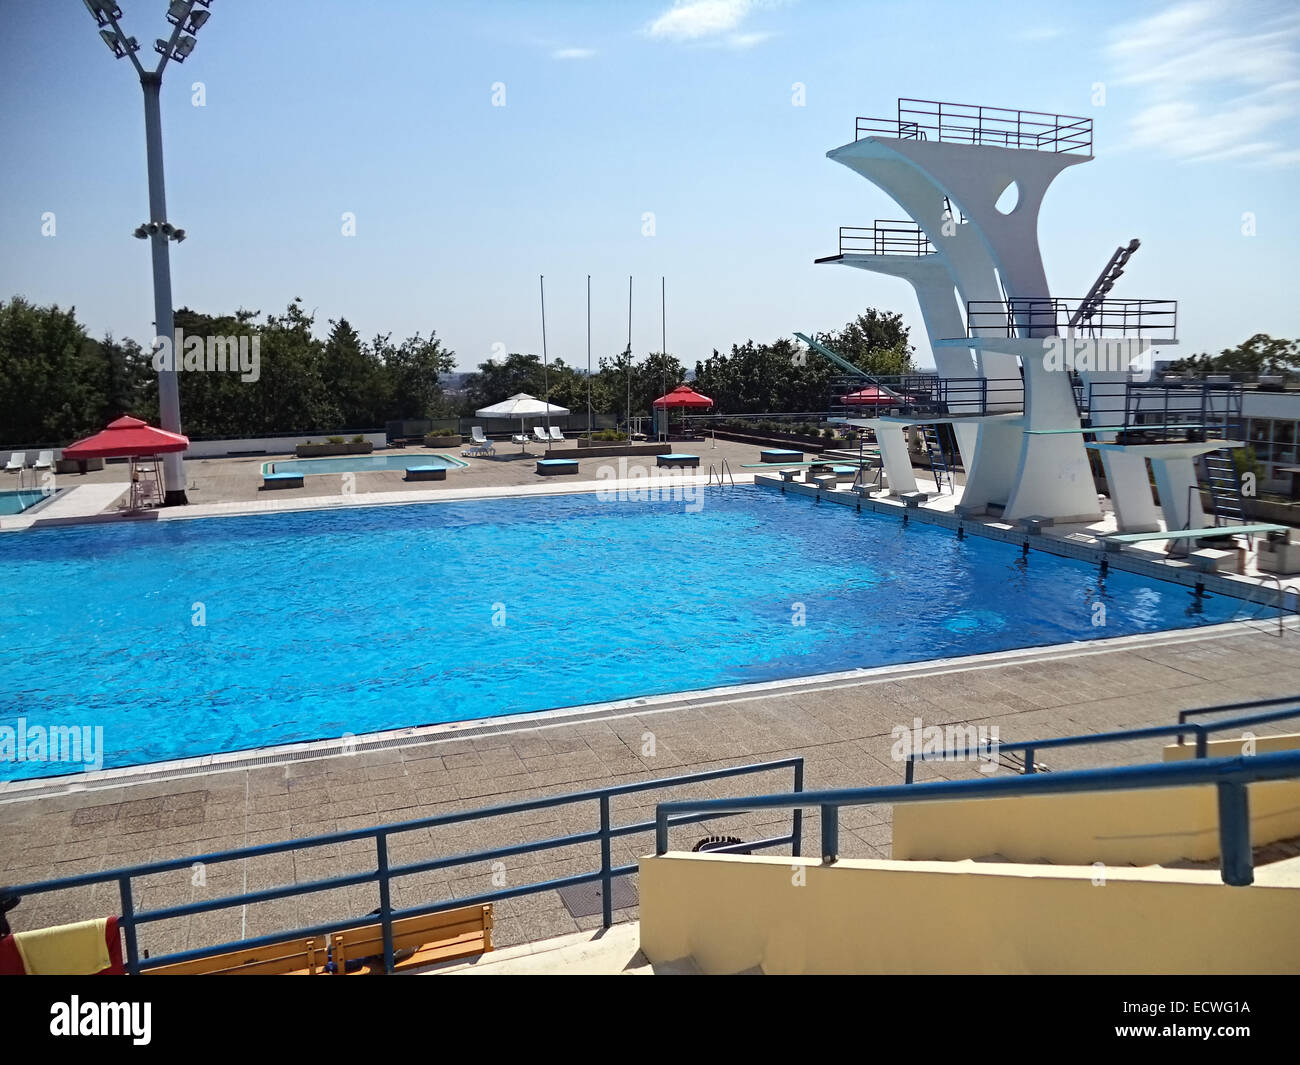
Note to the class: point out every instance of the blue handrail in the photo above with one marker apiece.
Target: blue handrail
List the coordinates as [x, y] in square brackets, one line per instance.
[1031, 747]
[1230, 775]
[384, 872]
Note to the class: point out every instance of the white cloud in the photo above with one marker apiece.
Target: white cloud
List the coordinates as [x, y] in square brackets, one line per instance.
[573, 53]
[1211, 85]
[747, 40]
[689, 20]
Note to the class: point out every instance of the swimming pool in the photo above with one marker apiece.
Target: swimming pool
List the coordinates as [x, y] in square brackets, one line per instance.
[364, 463]
[17, 502]
[191, 637]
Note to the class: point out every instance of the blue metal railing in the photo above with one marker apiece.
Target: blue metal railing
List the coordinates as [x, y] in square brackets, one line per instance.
[1229, 775]
[988, 751]
[384, 872]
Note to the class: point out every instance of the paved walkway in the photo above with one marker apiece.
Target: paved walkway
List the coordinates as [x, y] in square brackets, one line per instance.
[843, 730]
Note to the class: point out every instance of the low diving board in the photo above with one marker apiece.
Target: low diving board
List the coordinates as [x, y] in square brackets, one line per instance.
[1194, 534]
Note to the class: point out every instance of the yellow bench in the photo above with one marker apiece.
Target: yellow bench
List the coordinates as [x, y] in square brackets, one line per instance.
[430, 937]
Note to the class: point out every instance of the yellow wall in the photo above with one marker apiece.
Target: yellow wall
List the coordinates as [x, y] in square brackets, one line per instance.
[734, 914]
[1230, 748]
[1129, 828]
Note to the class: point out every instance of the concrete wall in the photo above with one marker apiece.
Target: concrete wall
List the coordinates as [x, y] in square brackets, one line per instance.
[735, 914]
[269, 445]
[1140, 828]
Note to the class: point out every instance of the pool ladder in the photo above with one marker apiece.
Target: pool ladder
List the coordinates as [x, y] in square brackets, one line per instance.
[1280, 603]
[719, 471]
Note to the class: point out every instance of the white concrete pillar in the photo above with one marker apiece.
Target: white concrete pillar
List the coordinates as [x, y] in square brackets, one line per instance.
[1130, 491]
[1176, 482]
[894, 457]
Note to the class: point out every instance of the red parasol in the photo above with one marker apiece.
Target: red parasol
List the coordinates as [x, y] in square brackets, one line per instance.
[126, 438]
[681, 396]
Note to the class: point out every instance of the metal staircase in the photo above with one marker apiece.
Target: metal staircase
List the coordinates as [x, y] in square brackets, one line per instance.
[1090, 303]
[940, 468]
[1224, 485]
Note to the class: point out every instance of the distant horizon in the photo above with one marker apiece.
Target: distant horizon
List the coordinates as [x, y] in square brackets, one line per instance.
[650, 139]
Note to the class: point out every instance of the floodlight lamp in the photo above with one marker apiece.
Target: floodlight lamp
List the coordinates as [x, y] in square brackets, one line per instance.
[184, 47]
[141, 233]
[197, 19]
[115, 43]
[178, 236]
[177, 11]
[103, 11]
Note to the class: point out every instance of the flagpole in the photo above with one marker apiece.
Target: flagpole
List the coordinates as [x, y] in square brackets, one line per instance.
[588, 358]
[546, 385]
[629, 358]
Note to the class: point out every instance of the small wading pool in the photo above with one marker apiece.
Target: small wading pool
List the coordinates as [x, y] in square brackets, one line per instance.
[362, 464]
[185, 638]
[17, 502]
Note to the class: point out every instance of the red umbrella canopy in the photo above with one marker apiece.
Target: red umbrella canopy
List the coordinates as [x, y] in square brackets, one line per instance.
[124, 438]
[868, 396]
[681, 396]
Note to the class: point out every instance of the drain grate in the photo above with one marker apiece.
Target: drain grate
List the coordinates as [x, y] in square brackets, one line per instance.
[585, 900]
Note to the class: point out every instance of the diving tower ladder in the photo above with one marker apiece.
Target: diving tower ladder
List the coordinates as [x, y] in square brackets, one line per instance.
[1105, 282]
[1224, 485]
[940, 468]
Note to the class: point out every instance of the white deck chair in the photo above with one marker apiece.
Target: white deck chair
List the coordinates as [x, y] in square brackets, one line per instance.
[556, 435]
[539, 434]
[480, 440]
[17, 461]
[44, 461]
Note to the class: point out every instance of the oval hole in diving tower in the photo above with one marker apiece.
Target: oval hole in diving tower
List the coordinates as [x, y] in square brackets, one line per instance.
[1006, 203]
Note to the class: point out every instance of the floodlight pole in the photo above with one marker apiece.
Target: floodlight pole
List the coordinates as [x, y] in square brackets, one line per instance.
[169, 393]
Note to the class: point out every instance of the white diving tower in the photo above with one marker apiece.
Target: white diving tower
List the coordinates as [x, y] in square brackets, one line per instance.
[972, 181]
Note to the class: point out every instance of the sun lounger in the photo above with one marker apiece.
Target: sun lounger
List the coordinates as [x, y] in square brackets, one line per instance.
[481, 444]
[539, 434]
[44, 461]
[556, 435]
[17, 461]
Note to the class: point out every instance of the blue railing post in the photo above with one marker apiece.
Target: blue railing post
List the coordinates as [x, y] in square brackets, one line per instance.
[830, 833]
[385, 899]
[796, 828]
[1029, 760]
[127, 924]
[606, 880]
[1236, 860]
[661, 832]
[1201, 740]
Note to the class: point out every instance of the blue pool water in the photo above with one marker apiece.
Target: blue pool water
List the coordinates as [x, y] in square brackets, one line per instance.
[365, 463]
[319, 624]
[17, 502]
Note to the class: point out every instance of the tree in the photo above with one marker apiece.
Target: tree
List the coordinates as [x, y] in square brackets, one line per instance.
[414, 369]
[1260, 354]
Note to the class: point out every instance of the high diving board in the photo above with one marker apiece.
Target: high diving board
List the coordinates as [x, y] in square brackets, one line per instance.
[1112, 429]
[1195, 534]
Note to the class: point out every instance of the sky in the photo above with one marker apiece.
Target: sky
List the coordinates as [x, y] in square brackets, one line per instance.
[648, 139]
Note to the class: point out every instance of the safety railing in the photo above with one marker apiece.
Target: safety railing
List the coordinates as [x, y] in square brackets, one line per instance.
[1025, 316]
[990, 751]
[384, 872]
[1154, 412]
[1000, 127]
[888, 236]
[1230, 776]
[922, 395]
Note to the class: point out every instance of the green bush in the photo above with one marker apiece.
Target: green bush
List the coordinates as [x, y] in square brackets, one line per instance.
[358, 439]
[334, 440]
[609, 436]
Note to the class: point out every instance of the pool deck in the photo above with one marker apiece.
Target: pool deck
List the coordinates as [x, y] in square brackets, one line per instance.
[840, 724]
[842, 729]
